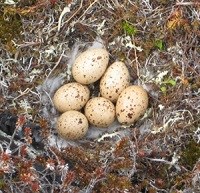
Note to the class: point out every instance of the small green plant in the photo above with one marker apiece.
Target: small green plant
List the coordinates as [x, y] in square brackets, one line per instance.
[166, 83]
[159, 44]
[128, 28]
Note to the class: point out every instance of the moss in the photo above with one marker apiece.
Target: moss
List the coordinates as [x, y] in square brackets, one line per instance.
[2, 184]
[114, 182]
[10, 27]
[128, 28]
[190, 154]
[159, 44]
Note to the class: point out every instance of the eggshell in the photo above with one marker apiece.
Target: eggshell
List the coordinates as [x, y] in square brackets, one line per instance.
[71, 96]
[131, 104]
[90, 65]
[100, 112]
[114, 81]
[72, 125]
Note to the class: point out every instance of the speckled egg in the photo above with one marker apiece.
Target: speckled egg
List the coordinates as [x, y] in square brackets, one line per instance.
[71, 96]
[100, 112]
[90, 65]
[114, 81]
[72, 125]
[131, 104]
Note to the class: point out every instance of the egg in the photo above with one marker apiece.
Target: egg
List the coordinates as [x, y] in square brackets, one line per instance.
[114, 81]
[100, 112]
[131, 104]
[72, 125]
[71, 96]
[90, 65]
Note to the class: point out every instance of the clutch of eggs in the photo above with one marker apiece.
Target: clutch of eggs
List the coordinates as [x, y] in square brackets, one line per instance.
[89, 67]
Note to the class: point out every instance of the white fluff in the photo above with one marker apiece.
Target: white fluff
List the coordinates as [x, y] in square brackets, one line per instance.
[46, 92]
[96, 132]
[98, 43]
[59, 142]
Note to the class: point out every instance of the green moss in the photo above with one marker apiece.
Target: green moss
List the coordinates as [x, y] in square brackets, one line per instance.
[10, 27]
[128, 28]
[2, 184]
[115, 182]
[159, 44]
[167, 84]
[191, 154]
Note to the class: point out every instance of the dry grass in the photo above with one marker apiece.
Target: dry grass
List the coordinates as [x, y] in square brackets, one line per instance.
[160, 43]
